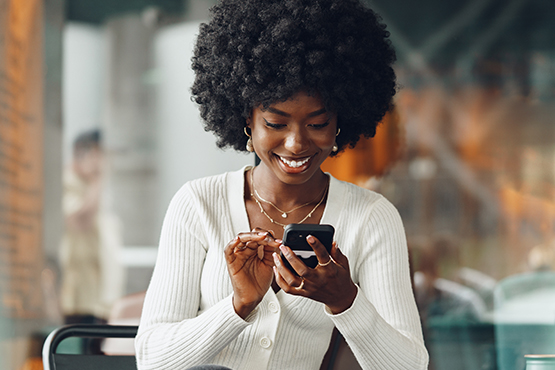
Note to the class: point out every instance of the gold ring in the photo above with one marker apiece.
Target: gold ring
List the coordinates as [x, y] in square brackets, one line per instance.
[325, 264]
[300, 286]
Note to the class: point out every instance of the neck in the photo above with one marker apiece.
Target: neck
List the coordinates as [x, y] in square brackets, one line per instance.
[288, 195]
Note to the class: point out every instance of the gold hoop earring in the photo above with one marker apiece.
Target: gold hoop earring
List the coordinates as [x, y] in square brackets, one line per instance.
[249, 146]
[338, 131]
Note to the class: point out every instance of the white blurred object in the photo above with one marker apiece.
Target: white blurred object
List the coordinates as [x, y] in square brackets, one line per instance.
[138, 256]
[527, 298]
[423, 168]
[126, 311]
[476, 279]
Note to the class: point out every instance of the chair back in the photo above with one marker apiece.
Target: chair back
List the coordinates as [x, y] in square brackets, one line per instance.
[58, 361]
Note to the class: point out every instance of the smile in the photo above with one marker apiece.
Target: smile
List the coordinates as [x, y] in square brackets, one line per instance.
[294, 164]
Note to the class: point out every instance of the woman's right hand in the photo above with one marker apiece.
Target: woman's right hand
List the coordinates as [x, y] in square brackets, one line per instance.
[249, 263]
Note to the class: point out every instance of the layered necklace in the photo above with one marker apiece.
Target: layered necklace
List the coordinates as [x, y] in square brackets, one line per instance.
[256, 196]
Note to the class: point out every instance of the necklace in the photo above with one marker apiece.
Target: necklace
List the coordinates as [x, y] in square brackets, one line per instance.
[270, 218]
[283, 213]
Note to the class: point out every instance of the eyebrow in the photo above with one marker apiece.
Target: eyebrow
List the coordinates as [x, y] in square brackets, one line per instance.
[285, 114]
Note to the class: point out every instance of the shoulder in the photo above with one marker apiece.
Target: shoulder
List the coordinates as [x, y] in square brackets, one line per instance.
[208, 189]
[353, 197]
[205, 184]
[360, 207]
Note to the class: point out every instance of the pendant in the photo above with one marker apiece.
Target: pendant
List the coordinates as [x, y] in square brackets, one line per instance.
[284, 215]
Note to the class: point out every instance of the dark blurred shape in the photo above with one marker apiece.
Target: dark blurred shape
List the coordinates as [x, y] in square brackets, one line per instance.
[98, 11]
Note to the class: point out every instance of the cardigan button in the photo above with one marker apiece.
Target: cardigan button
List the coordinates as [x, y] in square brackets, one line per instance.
[265, 342]
[273, 306]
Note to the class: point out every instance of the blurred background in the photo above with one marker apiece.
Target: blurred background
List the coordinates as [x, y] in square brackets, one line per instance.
[97, 132]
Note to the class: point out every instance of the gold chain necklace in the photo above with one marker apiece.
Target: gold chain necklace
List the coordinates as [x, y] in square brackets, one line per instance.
[283, 213]
[270, 218]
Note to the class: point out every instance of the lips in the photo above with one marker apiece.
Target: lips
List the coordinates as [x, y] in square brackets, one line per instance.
[294, 163]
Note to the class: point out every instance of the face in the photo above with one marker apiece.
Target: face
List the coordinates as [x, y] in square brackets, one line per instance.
[88, 163]
[294, 137]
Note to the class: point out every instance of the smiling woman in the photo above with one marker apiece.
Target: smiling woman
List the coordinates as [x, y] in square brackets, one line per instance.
[295, 81]
[293, 138]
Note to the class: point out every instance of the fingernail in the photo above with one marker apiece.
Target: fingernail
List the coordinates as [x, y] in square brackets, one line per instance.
[276, 259]
[310, 239]
[283, 249]
[263, 233]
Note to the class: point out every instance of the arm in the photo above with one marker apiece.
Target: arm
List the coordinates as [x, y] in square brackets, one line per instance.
[378, 319]
[171, 335]
[382, 325]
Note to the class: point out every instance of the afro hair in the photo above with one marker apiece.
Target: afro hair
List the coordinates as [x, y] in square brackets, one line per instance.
[259, 52]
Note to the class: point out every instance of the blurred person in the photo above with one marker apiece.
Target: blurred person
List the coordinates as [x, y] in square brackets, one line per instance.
[294, 81]
[92, 278]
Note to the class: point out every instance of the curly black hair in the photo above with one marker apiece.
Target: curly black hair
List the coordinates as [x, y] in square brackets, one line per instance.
[259, 52]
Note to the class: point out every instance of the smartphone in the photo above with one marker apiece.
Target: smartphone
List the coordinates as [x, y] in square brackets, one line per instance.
[294, 236]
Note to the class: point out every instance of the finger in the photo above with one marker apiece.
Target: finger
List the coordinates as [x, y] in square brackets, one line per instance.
[321, 253]
[280, 281]
[268, 252]
[284, 278]
[338, 257]
[261, 237]
[259, 229]
[294, 261]
[252, 236]
[230, 247]
[287, 275]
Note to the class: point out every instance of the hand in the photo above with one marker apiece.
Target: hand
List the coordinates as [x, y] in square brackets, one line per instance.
[249, 263]
[330, 282]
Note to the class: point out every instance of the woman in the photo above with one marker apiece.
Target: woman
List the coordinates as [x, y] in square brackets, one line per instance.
[294, 81]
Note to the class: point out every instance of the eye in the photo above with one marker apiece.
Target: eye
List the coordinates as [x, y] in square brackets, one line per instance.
[320, 125]
[273, 125]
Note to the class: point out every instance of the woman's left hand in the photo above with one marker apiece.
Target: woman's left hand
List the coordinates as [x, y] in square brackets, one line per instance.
[330, 282]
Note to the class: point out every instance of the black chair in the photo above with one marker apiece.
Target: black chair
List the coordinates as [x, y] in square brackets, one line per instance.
[58, 361]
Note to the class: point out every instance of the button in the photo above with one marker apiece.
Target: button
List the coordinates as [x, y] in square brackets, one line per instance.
[265, 342]
[273, 306]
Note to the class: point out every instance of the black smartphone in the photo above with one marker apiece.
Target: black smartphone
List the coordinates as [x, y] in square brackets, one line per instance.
[294, 236]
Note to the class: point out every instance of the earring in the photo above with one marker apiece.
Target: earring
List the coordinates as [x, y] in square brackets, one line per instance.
[249, 146]
[335, 148]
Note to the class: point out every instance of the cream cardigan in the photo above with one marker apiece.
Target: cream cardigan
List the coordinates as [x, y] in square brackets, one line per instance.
[188, 317]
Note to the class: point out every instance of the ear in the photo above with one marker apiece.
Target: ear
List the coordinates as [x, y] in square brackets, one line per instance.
[249, 121]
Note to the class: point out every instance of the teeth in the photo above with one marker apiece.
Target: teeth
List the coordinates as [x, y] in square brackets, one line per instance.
[294, 164]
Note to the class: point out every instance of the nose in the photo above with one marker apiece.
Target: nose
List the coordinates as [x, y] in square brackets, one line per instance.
[297, 141]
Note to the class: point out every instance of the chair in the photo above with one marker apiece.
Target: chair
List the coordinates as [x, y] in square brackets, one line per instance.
[59, 361]
[524, 317]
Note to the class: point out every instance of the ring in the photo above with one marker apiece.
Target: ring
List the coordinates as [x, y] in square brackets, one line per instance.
[327, 263]
[300, 286]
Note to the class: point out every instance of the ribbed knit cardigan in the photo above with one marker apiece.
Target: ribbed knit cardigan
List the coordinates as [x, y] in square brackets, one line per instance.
[188, 316]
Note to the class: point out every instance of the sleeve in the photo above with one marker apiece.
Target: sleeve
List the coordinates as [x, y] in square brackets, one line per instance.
[382, 327]
[171, 335]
